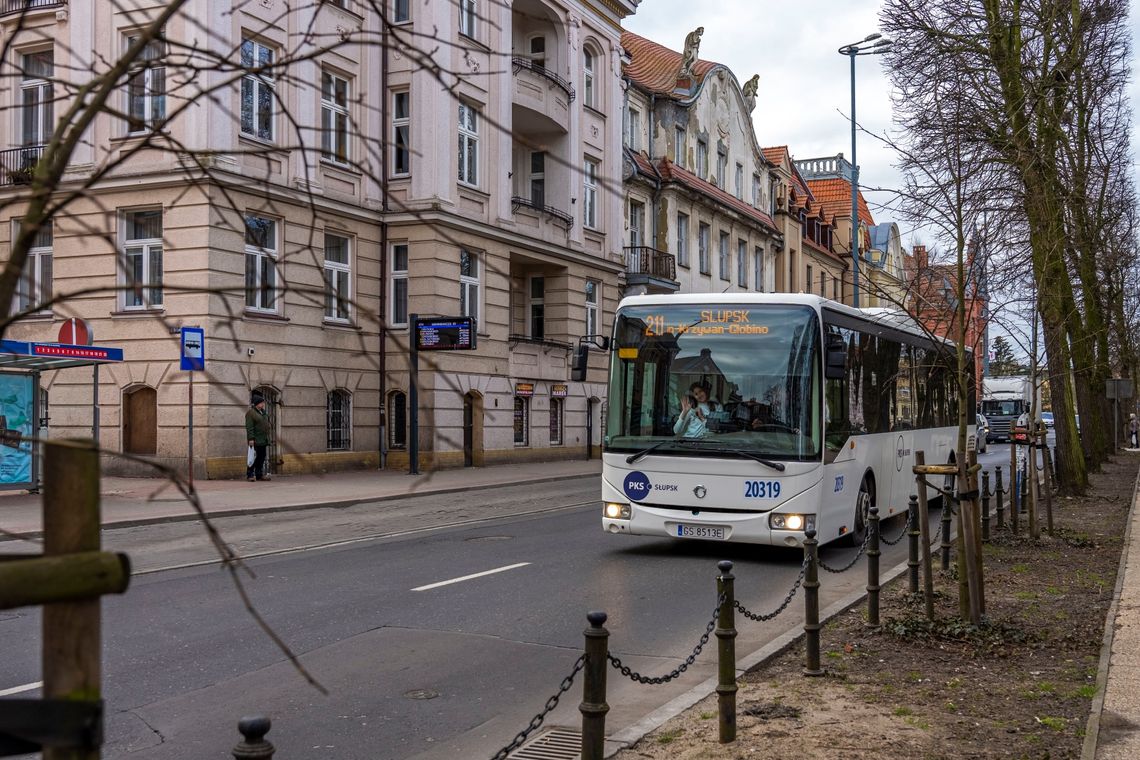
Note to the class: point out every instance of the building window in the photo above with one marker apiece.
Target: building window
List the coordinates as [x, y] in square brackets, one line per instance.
[723, 257]
[261, 264]
[758, 269]
[334, 117]
[36, 98]
[742, 263]
[679, 146]
[590, 194]
[538, 52]
[836, 289]
[522, 421]
[592, 289]
[721, 166]
[756, 184]
[401, 11]
[536, 307]
[468, 144]
[401, 133]
[633, 129]
[555, 422]
[34, 288]
[257, 96]
[398, 275]
[808, 281]
[338, 420]
[682, 239]
[740, 181]
[467, 16]
[588, 78]
[538, 178]
[823, 284]
[146, 87]
[338, 278]
[142, 259]
[703, 248]
[703, 158]
[469, 273]
[397, 413]
[636, 224]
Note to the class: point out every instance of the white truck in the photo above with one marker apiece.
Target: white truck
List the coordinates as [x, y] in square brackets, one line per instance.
[1004, 399]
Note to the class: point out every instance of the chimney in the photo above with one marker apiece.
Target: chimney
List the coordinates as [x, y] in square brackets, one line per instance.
[920, 260]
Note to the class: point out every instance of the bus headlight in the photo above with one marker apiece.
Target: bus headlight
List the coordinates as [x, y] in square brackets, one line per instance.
[791, 522]
[615, 511]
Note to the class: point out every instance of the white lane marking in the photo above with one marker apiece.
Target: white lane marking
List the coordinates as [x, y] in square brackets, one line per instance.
[19, 689]
[469, 577]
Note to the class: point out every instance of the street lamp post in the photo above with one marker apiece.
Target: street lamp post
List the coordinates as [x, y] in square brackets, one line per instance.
[858, 48]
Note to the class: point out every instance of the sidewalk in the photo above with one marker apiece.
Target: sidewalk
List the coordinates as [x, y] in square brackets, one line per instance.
[142, 501]
[1113, 731]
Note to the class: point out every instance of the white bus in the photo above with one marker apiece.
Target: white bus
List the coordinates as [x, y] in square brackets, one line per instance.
[755, 417]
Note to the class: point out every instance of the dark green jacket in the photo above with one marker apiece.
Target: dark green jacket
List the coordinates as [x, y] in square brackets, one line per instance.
[257, 427]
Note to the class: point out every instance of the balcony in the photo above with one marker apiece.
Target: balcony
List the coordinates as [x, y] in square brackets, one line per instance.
[14, 7]
[650, 268]
[522, 62]
[19, 164]
[557, 215]
[541, 99]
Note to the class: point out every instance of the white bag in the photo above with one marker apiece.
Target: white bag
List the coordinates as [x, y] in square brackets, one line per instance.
[250, 457]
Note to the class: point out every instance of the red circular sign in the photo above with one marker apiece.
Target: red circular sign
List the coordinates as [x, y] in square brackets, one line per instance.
[76, 332]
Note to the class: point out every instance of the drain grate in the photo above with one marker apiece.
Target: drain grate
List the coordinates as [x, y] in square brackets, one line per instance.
[554, 744]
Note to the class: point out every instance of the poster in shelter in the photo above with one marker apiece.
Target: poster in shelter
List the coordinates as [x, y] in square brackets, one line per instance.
[17, 420]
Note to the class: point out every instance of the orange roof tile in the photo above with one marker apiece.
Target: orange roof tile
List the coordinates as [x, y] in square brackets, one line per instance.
[654, 67]
[836, 194]
[644, 164]
[776, 155]
[670, 171]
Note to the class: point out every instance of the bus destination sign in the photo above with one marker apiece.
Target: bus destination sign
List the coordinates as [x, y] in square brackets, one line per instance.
[711, 322]
[445, 334]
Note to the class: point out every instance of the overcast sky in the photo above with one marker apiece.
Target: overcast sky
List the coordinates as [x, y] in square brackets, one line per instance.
[805, 85]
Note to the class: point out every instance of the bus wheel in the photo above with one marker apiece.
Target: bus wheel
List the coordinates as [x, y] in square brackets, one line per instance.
[863, 503]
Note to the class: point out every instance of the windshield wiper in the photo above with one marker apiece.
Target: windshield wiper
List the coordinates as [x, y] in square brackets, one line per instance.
[777, 466]
[645, 452]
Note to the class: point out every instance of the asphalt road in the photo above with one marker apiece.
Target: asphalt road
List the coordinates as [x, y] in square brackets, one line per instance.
[415, 666]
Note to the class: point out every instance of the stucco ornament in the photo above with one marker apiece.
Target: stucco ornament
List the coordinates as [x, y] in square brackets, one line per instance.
[750, 88]
[692, 48]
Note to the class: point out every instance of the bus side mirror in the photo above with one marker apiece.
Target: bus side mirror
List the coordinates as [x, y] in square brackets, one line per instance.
[581, 363]
[835, 359]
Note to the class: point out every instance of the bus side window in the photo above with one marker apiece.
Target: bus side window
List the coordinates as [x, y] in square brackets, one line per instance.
[838, 418]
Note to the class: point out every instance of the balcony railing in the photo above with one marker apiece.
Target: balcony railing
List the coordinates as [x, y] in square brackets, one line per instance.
[12, 7]
[522, 62]
[642, 259]
[558, 215]
[19, 164]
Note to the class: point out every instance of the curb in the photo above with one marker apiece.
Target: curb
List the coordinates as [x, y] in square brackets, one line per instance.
[1092, 726]
[339, 504]
[630, 735]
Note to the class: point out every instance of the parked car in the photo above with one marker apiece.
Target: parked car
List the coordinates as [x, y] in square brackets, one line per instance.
[983, 433]
[1047, 418]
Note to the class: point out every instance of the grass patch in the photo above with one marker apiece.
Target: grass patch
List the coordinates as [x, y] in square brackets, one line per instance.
[708, 715]
[668, 737]
[903, 711]
[1057, 724]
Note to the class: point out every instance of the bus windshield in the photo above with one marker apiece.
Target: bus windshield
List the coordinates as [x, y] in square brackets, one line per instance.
[718, 381]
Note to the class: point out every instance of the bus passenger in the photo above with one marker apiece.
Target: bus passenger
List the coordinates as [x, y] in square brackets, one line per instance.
[692, 422]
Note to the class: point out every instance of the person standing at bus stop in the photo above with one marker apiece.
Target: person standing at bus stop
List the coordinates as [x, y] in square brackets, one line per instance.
[257, 432]
[1134, 431]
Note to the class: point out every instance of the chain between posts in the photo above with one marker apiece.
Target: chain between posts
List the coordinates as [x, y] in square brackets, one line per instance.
[902, 535]
[761, 618]
[851, 564]
[633, 675]
[537, 720]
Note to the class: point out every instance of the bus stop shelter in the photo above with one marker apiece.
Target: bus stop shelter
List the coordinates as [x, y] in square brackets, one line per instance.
[21, 417]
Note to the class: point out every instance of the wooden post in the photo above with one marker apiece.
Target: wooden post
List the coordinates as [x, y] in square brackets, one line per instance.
[965, 538]
[72, 643]
[1014, 487]
[924, 533]
[1031, 475]
[972, 477]
[1048, 488]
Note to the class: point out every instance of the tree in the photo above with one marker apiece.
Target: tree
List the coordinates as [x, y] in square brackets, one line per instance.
[1005, 362]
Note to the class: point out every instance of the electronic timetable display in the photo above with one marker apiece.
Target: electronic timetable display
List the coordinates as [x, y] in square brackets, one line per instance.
[445, 334]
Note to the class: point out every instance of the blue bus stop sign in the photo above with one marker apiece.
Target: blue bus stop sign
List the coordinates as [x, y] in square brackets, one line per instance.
[193, 348]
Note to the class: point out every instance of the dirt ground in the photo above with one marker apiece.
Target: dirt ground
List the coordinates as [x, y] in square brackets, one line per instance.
[1018, 686]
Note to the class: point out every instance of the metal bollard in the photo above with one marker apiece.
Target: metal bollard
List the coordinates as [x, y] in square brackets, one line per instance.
[947, 515]
[1000, 493]
[726, 651]
[254, 745]
[912, 534]
[873, 587]
[811, 606]
[593, 706]
[985, 506]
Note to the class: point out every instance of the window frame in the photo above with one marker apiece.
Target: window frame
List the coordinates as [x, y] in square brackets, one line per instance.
[590, 169]
[721, 166]
[335, 301]
[633, 129]
[401, 135]
[395, 276]
[724, 266]
[536, 180]
[682, 239]
[589, 82]
[556, 427]
[396, 407]
[33, 290]
[43, 106]
[468, 306]
[742, 262]
[704, 240]
[521, 404]
[468, 18]
[808, 280]
[680, 137]
[636, 213]
[468, 133]
[758, 269]
[336, 119]
[343, 431]
[258, 82]
[536, 307]
[703, 158]
[401, 11]
[739, 176]
[150, 248]
[152, 115]
[261, 254]
[593, 326]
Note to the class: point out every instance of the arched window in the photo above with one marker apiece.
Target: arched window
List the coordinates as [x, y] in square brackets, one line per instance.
[397, 420]
[338, 420]
[555, 422]
[588, 87]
